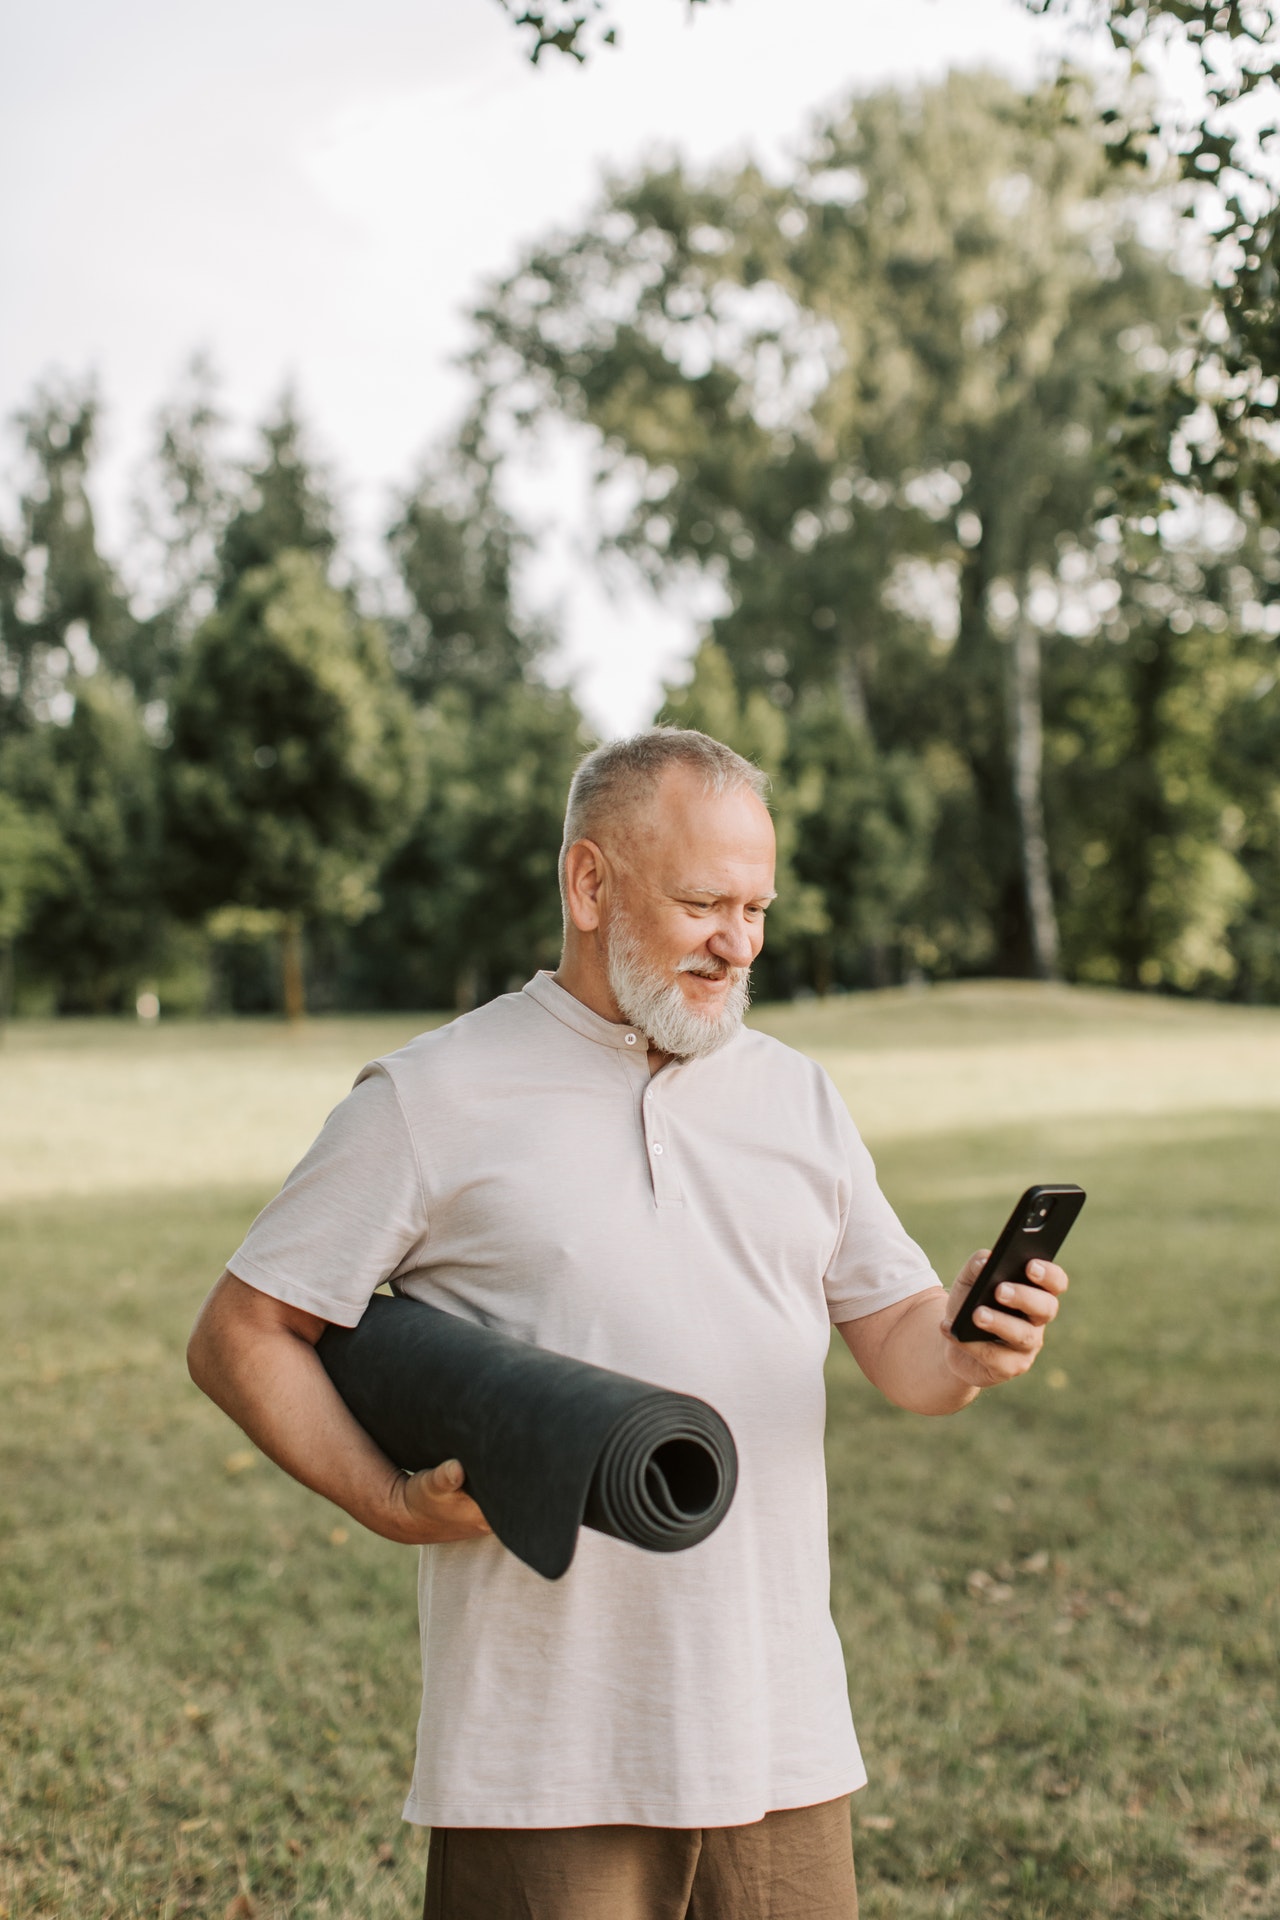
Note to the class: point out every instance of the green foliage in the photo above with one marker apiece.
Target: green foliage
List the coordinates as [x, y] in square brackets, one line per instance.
[284, 508]
[455, 547]
[32, 857]
[471, 905]
[873, 401]
[1234, 43]
[61, 605]
[712, 701]
[1226, 160]
[863, 833]
[1151, 784]
[576, 28]
[935, 412]
[32, 854]
[87, 912]
[292, 752]
[188, 497]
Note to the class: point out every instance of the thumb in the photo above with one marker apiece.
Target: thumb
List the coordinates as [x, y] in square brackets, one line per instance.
[972, 1267]
[447, 1477]
[962, 1284]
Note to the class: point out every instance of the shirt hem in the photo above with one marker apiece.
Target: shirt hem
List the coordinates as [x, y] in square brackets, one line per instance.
[341, 1313]
[842, 1312]
[636, 1813]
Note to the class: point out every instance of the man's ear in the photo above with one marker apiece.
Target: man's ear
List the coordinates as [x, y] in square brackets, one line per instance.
[586, 873]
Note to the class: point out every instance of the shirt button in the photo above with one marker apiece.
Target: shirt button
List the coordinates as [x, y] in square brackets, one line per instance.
[657, 1146]
[631, 1039]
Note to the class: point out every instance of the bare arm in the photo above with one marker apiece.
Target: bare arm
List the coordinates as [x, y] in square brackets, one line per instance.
[909, 1352]
[255, 1357]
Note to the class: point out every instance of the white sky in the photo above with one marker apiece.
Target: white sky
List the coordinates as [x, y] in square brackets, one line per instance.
[313, 191]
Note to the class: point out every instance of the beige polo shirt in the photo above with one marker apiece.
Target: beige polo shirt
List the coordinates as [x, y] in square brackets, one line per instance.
[700, 1228]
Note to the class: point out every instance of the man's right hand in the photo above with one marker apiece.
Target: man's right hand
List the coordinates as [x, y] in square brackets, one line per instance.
[436, 1509]
[255, 1357]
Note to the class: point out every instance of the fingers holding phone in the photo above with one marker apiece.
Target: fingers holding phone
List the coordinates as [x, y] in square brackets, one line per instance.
[1013, 1326]
[1002, 1301]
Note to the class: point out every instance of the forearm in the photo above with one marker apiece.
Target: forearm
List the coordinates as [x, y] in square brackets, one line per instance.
[905, 1356]
[271, 1382]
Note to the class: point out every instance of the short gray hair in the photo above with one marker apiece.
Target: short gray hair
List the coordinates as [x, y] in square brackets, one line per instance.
[615, 778]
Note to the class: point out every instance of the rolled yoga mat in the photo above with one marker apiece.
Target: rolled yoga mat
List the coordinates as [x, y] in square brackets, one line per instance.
[548, 1444]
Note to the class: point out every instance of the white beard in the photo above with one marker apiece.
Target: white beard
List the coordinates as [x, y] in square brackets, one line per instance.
[658, 1009]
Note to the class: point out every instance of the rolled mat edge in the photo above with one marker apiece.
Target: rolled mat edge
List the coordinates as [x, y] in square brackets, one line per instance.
[548, 1443]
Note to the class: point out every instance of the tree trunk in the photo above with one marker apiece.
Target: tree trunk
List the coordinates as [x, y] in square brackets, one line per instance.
[976, 682]
[295, 992]
[1026, 756]
[1142, 813]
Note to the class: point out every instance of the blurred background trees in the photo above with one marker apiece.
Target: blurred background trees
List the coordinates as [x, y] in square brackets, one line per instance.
[987, 495]
[878, 403]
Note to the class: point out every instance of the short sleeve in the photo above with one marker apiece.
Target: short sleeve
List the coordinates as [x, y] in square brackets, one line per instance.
[876, 1262]
[351, 1214]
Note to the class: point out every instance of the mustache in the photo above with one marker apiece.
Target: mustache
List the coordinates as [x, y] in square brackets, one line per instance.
[710, 968]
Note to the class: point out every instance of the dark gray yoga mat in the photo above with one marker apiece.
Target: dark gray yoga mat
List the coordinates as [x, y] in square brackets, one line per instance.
[548, 1444]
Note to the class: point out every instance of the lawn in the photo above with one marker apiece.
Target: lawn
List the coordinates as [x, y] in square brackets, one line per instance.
[1060, 1609]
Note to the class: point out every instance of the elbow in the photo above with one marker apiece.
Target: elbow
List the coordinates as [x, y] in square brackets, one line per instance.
[197, 1358]
[202, 1346]
[939, 1405]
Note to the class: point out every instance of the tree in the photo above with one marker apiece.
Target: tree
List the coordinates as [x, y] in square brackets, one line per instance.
[873, 399]
[574, 28]
[753, 726]
[84, 897]
[1148, 781]
[864, 827]
[470, 898]
[32, 858]
[455, 549]
[292, 761]
[183, 509]
[853, 827]
[61, 605]
[1226, 160]
[1234, 43]
[283, 506]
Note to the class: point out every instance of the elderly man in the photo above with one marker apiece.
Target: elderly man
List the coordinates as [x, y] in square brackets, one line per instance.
[611, 1165]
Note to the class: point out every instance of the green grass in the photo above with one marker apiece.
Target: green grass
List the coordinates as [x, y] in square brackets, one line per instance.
[1060, 1608]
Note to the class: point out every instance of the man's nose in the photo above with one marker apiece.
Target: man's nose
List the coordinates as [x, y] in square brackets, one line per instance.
[736, 943]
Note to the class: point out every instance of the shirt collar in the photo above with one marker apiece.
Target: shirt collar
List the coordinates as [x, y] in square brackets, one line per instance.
[592, 1026]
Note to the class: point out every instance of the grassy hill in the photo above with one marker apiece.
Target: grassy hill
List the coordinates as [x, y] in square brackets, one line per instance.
[1060, 1608]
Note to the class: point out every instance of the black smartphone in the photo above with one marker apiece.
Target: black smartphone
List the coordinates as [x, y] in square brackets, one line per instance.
[1034, 1230]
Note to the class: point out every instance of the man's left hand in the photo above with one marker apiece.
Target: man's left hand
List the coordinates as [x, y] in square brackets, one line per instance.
[985, 1363]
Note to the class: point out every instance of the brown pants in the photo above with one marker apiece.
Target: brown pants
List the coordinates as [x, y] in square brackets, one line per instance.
[796, 1864]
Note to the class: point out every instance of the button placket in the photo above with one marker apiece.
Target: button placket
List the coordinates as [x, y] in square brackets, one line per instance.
[662, 1167]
